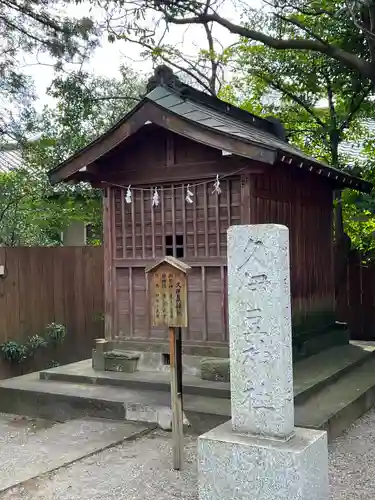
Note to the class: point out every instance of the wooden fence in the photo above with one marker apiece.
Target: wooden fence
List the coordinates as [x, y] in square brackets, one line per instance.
[65, 285]
[43, 285]
[356, 301]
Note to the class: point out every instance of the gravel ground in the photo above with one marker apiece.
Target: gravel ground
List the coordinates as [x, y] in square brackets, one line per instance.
[16, 430]
[352, 461]
[137, 470]
[141, 470]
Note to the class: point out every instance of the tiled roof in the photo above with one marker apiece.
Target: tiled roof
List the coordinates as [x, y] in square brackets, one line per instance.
[10, 159]
[353, 150]
[224, 122]
[208, 112]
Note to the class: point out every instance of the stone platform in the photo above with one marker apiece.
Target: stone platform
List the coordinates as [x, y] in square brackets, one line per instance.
[331, 390]
[234, 465]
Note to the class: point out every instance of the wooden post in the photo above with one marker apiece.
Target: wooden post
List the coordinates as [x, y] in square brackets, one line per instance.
[167, 287]
[176, 396]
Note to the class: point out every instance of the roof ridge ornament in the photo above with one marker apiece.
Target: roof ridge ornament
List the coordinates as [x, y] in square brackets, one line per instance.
[163, 75]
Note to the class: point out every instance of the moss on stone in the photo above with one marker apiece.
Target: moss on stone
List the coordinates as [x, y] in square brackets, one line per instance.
[215, 369]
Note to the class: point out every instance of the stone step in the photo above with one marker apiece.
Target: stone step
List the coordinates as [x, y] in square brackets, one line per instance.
[82, 372]
[352, 368]
[62, 444]
[61, 401]
[316, 372]
[310, 375]
[333, 408]
[339, 404]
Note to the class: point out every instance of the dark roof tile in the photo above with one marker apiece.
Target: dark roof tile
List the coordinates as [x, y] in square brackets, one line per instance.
[225, 121]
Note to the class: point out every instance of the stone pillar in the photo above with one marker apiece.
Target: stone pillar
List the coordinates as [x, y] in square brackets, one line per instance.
[260, 330]
[259, 454]
[98, 354]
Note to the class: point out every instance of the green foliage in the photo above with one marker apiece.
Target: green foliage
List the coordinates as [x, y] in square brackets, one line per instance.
[35, 342]
[32, 212]
[55, 333]
[14, 352]
[53, 364]
[318, 55]
[320, 102]
[98, 317]
[29, 28]
[283, 25]
[17, 352]
[86, 106]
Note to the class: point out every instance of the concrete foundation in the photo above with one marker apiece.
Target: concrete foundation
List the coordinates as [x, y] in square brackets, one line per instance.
[233, 465]
[141, 361]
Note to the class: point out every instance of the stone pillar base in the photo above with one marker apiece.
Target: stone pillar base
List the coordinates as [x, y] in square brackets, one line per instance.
[243, 467]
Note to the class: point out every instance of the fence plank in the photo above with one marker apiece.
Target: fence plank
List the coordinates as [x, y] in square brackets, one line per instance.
[45, 284]
[356, 302]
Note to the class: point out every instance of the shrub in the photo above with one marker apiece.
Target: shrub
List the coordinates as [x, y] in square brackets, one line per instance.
[14, 352]
[55, 333]
[34, 343]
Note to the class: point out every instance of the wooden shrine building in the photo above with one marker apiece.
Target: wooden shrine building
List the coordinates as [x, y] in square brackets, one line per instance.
[158, 168]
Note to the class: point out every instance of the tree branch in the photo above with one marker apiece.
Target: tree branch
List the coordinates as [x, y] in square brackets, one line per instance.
[193, 71]
[354, 107]
[300, 25]
[331, 50]
[214, 64]
[10, 203]
[43, 20]
[331, 103]
[25, 32]
[295, 98]
[115, 97]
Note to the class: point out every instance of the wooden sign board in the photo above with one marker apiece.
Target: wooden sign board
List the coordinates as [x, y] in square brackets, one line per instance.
[168, 293]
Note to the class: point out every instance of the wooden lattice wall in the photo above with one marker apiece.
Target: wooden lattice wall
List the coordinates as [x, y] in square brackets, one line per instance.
[137, 234]
[194, 232]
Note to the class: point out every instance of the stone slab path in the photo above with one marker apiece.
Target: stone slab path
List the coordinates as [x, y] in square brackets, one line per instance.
[141, 470]
[28, 451]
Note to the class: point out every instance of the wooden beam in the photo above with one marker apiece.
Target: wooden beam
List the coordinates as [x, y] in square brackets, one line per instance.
[173, 208]
[204, 303]
[105, 143]
[191, 261]
[195, 227]
[183, 187]
[245, 199]
[224, 294]
[108, 262]
[143, 225]
[229, 187]
[217, 217]
[114, 255]
[133, 224]
[205, 209]
[131, 303]
[177, 174]
[153, 223]
[123, 223]
[162, 201]
[170, 156]
[215, 139]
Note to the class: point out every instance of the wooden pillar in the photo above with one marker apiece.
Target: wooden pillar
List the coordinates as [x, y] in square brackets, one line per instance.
[245, 199]
[108, 265]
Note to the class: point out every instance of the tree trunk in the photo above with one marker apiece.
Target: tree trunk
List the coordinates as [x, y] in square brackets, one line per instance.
[342, 241]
